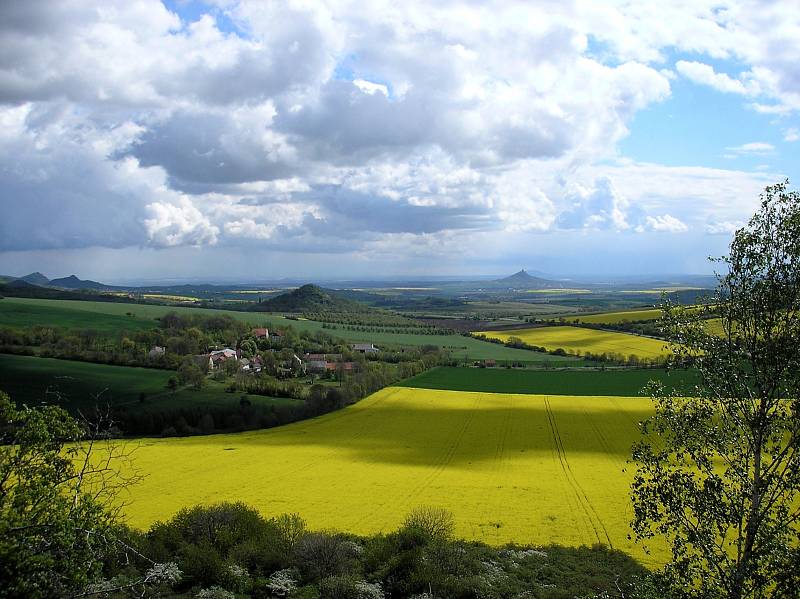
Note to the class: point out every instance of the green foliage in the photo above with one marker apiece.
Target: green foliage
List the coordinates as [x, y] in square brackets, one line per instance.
[55, 523]
[428, 524]
[229, 548]
[719, 475]
[190, 373]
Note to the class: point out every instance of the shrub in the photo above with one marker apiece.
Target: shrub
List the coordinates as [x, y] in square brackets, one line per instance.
[429, 523]
[215, 592]
[321, 555]
[349, 587]
[282, 583]
[290, 528]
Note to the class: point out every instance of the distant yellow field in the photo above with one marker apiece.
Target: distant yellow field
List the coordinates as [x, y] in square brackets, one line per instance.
[170, 298]
[579, 341]
[616, 317]
[525, 468]
[621, 316]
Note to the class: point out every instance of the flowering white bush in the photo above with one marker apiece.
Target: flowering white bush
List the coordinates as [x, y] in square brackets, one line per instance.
[519, 554]
[215, 592]
[368, 590]
[167, 572]
[281, 583]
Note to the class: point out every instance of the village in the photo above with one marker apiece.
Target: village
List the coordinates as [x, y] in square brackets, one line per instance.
[281, 363]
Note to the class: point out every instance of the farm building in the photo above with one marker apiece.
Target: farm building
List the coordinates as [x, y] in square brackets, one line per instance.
[323, 357]
[217, 357]
[260, 333]
[365, 348]
[316, 366]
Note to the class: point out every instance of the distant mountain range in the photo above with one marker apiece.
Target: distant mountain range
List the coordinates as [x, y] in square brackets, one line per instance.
[36, 278]
[39, 280]
[360, 291]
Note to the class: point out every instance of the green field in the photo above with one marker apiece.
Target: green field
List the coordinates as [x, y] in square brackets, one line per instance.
[554, 382]
[526, 468]
[578, 341]
[83, 385]
[59, 313]
[26, 312]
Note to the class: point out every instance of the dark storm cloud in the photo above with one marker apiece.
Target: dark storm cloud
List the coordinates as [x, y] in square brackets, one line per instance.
[346, 210]
[207, 149]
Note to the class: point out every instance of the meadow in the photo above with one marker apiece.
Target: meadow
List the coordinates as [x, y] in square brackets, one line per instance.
[83, 385]
[579, 341]
[526, 468]
[18, 312]
[123, 316]
[586, 381]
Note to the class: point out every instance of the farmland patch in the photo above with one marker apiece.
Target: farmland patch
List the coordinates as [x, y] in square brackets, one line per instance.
[524, 468]
[586, 381]
[580, 341]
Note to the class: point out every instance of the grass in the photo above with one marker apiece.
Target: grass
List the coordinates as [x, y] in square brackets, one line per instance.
[526, 468]
[586, 381]
[82, 385]
[579, 341]
[84, 314]
[59, 313]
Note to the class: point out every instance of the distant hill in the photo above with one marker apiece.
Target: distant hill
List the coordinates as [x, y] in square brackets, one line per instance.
[308, 299]
[523, 280]
[21, 284]
[35, 278]
[73, 282]
[21, 288]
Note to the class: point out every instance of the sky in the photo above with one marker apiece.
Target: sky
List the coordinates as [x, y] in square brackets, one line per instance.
[255, 140]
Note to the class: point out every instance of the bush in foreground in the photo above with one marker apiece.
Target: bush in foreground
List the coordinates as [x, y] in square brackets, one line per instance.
[230, 550]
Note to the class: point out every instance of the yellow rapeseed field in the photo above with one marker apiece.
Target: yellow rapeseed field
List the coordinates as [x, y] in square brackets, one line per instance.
[617, 317]
[622, 316]
[577, 340]
[525, 468]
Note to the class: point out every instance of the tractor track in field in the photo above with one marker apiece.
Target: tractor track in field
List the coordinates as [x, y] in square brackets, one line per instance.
[604, 444]
[583, 500]
[440, 466]
[500, 460]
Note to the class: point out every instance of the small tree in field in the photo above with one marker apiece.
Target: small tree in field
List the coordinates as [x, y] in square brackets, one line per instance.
[719, 472]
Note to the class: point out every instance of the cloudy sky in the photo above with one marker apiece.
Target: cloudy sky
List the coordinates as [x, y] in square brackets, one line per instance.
[229, 140]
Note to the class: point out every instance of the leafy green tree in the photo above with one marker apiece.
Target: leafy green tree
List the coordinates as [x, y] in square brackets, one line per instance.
[56, 525]
[248, 347]
[190, 373]
[719, 472]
